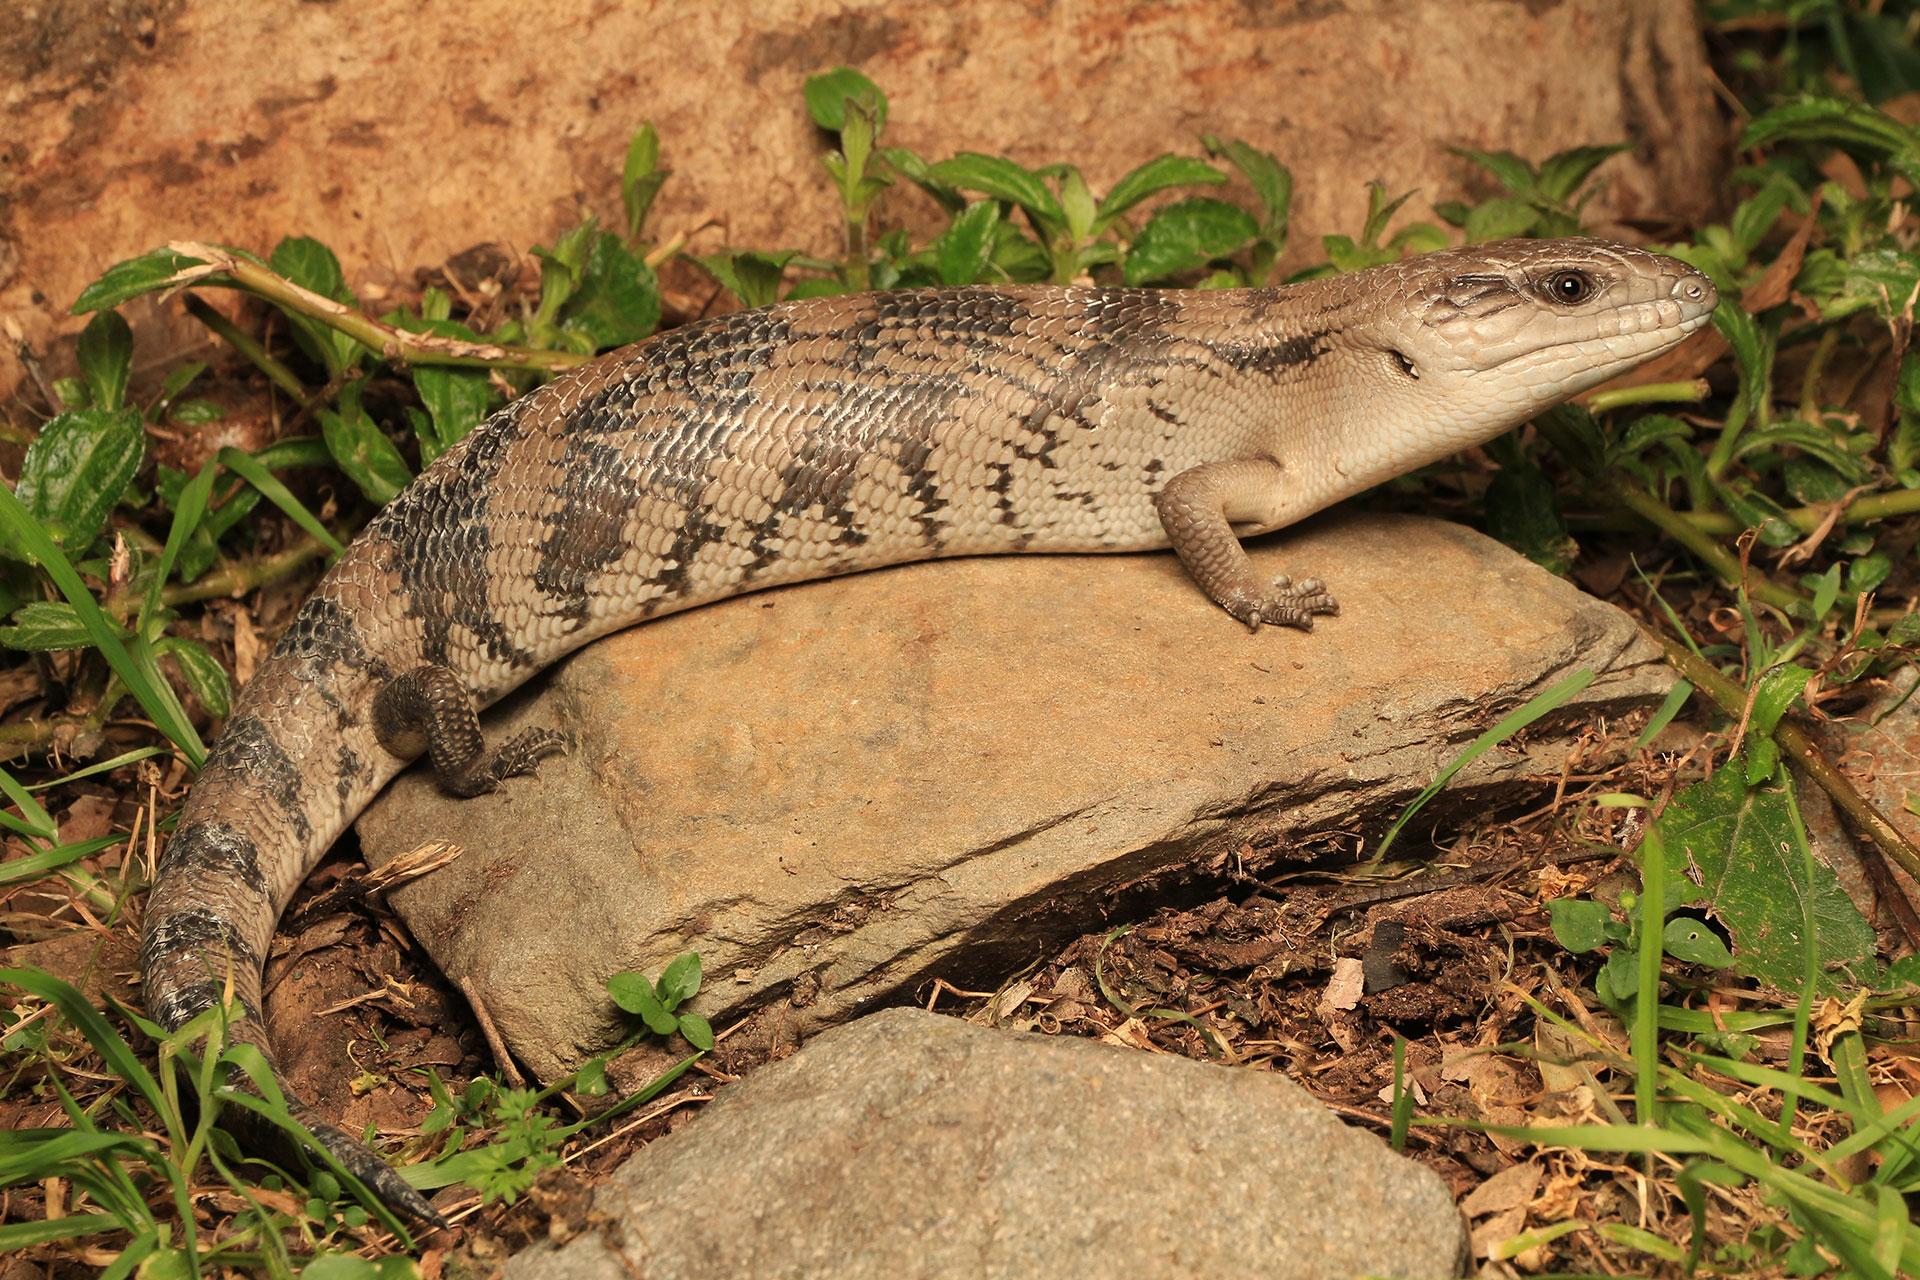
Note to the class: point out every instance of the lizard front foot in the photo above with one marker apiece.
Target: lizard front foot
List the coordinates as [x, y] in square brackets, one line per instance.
[1285, 603]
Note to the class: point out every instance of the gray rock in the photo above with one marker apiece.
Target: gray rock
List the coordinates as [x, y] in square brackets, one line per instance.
[908, 1145]
[839, 791]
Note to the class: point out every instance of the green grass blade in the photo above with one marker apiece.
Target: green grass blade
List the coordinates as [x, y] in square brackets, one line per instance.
[1675, 700]
[104, 766]
[19, 1235]
[159, 701]
[187, 514]
[35, 819]
[249, 468]
[1646, 1006]
[1532, 710]
[36, 865]
[108, 1043]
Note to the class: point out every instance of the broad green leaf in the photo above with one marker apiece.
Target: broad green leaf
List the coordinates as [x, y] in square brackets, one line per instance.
[44, 625]
[1748, 856]
[1270, 180]
[917, 171]
[123, 281]
[961, 254]
[752, 277]
[1776, 691]
[1513, 173]
[697, 1030]
[202, 673]
[1562, 173]
[1523, 513]
[1579, 924]
[681, 980]
[76, 471]
[1840, 122]
[616, 299]
[1157, 175]
[1077, 202]
[634, 993]
[641, 178]
[1690, 940]
[827, 96]
[1500, 219]
[457, 401]
[1187, 234]
[361, 449]
[311, 265]
[1002, 179]
[106, 359]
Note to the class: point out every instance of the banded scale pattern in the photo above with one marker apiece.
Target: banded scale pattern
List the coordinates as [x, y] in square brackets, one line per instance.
[823, 437]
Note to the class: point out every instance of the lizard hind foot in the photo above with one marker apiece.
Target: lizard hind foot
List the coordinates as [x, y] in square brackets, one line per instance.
[1288, 603]
[429, 709]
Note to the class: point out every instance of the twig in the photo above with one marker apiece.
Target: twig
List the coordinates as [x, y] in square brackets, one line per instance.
[220, 266]
[501, 1058]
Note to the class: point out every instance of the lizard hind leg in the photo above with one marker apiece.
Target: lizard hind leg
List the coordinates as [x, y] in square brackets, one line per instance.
[428, 709]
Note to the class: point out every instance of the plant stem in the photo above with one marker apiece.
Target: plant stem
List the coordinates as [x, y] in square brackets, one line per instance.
[218, 266]
[1692, 392]
[243, 342]
[1798, 744]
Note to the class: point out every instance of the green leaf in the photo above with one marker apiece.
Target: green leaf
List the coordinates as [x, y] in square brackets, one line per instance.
[634, 993]
[1501, 218]
[616, 299]
[1853, 126]
[752, 277]
[1270, 180]
[1508, 169]
[1002, 179]
[1748, 856]
[827, 96]
[44, 625]
[1157, 175]
[76, 471]
[697, 1030]
[1692, 941]
[19, 529]
[255, 473]
[202, 672]
[189, 503]
[1562, 173]
[1523, 513]
[1776, 691]
[457, 401]
[1187, 234]
[681, 980]
[641, 179]
[106, 359]
[361, 449]
[961, 254]
[123, 281]
[311, 265]
[1579, 924]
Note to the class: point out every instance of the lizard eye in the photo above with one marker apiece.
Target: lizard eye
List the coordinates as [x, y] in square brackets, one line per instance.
[1569, 288]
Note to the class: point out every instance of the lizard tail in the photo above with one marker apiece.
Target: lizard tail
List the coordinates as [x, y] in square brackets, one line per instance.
[294, 763]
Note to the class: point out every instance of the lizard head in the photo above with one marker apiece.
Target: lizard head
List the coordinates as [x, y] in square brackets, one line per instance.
[1498, 332]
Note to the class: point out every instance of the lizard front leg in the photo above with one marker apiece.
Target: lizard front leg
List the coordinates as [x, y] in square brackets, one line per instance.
[1199, 507]
[429, 709]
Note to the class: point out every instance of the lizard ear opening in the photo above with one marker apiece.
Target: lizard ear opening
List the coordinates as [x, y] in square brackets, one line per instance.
[1405, 363]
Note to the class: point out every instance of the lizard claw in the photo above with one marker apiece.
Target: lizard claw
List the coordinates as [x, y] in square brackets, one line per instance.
[1285, 603]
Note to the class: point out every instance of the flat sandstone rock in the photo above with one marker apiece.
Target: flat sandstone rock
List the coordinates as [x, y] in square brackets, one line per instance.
[914, 1146]
[839, 791]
